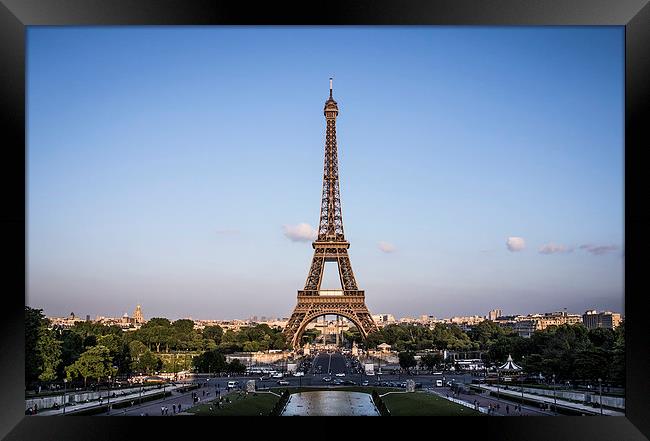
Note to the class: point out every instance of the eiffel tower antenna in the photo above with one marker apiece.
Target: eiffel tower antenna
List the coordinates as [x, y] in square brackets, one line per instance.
[329, 246]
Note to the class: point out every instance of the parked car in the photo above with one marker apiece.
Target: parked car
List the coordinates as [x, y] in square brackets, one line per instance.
[341, 374]
[283, 382]
[327, 379]
[364, 383]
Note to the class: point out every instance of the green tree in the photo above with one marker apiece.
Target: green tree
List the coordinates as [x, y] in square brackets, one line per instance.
[142, 359]
[96, 363]
[34, 321]
[48, 350]
[236, 367]
[213, 332]
[406, 361]
[71, 348]
[210, 361]
[430, 361]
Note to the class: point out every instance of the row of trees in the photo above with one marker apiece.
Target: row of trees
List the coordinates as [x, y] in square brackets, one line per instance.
[571, 352]
[92, 350]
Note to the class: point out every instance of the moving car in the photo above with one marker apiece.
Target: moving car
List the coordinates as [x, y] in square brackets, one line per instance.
[365, 383]
[299, 374]
[283, 382]
[327, 379]
[232, 384]
[340, 374]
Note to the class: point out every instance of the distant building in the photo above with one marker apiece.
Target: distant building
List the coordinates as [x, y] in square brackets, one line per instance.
[137, 315]
[558, 318]
[383, 319]
[65, 322]
[525, 328]
[494, 314]
[384, 347]
[466, 321]
[525, 325]
[593, 319]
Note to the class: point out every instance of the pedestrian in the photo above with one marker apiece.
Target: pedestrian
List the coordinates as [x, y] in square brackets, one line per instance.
[179, 407]
[36, 405]
[507, 409]
[162, 410]
[174, 408]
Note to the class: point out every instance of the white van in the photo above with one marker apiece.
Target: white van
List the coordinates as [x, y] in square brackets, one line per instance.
[232, 384]
[438, 383]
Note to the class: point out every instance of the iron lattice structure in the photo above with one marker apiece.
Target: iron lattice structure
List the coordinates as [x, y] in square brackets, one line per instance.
[330, 246]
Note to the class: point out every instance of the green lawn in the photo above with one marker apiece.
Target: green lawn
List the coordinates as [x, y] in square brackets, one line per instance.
[424, 404]
[416, 404]
[241, 405]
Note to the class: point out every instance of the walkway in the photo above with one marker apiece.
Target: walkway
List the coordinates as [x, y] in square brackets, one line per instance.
[550, 400]
[485, 401]
[69, 409]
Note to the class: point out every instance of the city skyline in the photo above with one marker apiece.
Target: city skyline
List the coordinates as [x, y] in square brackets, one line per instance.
[273, 317]
[146, 182]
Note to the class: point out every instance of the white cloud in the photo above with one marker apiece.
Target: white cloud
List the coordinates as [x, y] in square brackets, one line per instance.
[552, 248]
[386, 247]
[598, 250]
[515, 243]
[300, 233]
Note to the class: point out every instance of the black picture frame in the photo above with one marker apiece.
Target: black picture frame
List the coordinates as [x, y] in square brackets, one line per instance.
[15, 15]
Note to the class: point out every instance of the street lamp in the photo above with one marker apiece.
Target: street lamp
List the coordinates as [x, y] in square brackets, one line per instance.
[65, 383]
[109, 394]
[522, 395]
[600, 392]
[498, 395]
[554, 397]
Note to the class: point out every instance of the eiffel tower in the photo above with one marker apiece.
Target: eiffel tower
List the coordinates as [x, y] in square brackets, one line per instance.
[329, 246]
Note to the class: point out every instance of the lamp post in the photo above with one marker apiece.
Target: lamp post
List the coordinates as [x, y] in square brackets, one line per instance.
[498, 396]
[65, 383]
[522, 395]
[109, 394]
[554, 397]
[600, 393]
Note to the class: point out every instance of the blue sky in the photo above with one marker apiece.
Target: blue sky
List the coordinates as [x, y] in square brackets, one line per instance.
[170, 165]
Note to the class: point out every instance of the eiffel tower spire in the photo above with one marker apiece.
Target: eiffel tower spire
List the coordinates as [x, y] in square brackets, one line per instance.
[330, 246]
[331, 221]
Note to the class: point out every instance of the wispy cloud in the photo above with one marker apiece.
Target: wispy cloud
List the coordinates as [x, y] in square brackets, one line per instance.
[515, 243]
[599, 250]
[386, 247]
[300, 233]
[553, 248]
